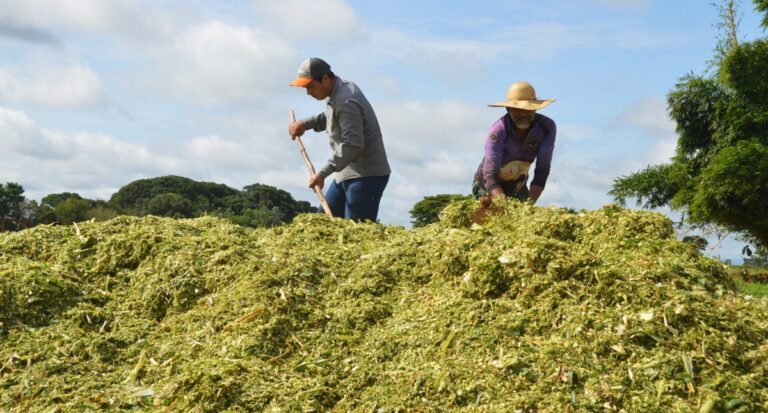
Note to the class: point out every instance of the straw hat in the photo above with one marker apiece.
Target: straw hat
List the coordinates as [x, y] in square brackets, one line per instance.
[521, 95]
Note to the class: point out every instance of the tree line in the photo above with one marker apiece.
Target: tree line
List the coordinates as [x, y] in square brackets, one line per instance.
[256, 205]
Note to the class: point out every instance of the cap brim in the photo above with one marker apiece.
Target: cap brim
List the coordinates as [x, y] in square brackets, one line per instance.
[301, 81]
[523, 104]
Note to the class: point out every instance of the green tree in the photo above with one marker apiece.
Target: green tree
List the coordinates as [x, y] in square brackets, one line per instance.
[10, 199]
[33, 214]
[697, 241]
[260, 205]
[256, 205]
[42, 214]
[257, 217]
[135, 198]
[762, 6]
[719, 174]
[428, 209]
[100, 211]
[11, 203]
[68, 207]
[728, 27]
[758, 258]
[72, 210]
[260, 196]
[53, 200]
[171, 205]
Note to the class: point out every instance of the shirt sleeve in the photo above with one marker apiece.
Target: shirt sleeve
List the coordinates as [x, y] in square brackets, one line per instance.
[317, 122]
[352, 141]
[544, 157]
[494, 152]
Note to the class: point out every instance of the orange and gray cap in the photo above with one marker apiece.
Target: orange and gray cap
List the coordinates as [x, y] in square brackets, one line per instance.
[312, 68]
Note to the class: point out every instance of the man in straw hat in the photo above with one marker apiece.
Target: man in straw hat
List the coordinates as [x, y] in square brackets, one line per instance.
[359, 159]
[513, 143]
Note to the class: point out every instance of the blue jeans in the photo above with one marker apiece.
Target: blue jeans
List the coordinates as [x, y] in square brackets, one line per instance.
[356, 198]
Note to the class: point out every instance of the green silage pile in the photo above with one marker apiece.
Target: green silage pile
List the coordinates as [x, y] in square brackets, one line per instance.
[537, 310]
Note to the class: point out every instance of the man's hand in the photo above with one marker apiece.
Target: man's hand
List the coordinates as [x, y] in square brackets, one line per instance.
[485, 200]
[316, 180]
[296, 129]
[498, 192]
[535, 193]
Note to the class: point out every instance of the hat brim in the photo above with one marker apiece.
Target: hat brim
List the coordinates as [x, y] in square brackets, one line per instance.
[301, 81]
[523, 104]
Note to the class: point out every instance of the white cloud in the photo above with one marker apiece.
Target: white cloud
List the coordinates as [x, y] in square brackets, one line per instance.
[433, 147]
[449, 56]
[405, 190]
[641, 39]
[249, 154]
[577, 132]
[20, 136]
[417, 130]
[630, 5]
[662, 152]
[444, 168]
[217, 150]
[95, 165]
[292, 177]
[649, 114]
[216, 61]
[590, 172]
[28, 34]
[396, 211]
[596, 173]
[125, 18]
[70, 86]
[389, 44]
[542, 41]
[312, 20]
[556, 194]
[390, 84]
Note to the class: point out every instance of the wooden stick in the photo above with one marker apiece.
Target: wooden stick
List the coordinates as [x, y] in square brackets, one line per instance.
[311, 168]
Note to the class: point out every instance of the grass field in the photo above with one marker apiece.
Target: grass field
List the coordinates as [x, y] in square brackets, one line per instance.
[751, 280]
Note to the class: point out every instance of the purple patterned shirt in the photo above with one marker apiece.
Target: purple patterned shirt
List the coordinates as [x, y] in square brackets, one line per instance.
[501, 147]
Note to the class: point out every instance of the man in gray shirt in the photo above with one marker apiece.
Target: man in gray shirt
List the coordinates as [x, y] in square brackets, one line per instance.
[359, 159]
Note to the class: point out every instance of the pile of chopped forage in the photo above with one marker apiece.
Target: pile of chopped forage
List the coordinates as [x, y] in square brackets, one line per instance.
[536, 310]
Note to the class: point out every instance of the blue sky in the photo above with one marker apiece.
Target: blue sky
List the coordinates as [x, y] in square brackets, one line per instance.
[97, 93]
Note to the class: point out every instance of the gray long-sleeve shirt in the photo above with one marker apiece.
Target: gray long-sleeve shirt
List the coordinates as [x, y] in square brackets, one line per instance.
[354, 134]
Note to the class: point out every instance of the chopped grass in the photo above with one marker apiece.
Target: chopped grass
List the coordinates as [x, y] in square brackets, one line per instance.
[537, 310]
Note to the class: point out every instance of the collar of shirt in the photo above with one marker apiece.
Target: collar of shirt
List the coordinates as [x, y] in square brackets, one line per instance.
[335, 91]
